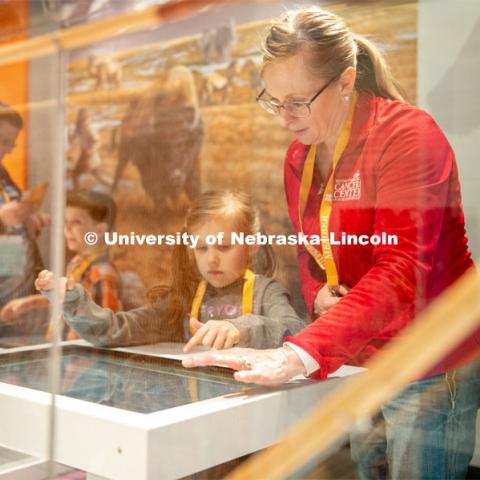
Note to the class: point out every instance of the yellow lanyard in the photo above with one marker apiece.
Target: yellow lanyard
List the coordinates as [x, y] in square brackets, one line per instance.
[325, 261]
[247, 297]
[76, 270]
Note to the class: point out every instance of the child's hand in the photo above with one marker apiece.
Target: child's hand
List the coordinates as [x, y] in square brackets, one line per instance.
[14, 308]
[217, 334]
[46, 281]
[325, 299]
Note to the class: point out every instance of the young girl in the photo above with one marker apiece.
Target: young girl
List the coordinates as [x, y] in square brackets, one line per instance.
[214, 299]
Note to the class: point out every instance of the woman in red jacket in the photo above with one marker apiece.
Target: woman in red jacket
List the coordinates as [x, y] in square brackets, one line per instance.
[376, 179]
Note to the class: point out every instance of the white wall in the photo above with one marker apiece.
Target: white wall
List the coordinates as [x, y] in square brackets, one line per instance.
[449, 89]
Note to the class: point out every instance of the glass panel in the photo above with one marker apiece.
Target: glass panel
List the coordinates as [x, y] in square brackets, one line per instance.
[413, 419]
[152, 118]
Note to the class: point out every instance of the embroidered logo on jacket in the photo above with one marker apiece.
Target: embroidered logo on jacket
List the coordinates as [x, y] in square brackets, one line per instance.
[347, 189]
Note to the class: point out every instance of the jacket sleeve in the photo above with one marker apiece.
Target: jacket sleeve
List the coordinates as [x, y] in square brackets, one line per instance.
[103, 327]
[412, 176]
[277, 320]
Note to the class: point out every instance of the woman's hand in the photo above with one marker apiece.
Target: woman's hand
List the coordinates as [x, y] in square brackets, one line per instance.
[264, 367]
[326, 299]
[217, 334]
[46, 282]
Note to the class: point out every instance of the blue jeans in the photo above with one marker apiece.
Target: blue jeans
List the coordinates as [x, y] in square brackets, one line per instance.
[427, 432]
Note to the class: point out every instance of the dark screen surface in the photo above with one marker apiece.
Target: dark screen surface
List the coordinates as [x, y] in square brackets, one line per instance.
[138, 383]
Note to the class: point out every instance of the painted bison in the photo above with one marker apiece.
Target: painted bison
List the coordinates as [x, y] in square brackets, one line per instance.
[162, 134]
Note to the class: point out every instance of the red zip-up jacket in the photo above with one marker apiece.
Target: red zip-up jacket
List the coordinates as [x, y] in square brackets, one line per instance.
[397, 175]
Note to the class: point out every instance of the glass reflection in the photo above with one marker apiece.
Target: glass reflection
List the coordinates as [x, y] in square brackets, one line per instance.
[136, 383]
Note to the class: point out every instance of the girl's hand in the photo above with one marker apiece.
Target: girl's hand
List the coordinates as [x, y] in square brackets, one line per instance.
[264, 367]
[46, 281]
[217, 334]
[326, 299]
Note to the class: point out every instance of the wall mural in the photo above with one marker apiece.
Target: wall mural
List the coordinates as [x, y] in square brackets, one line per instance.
[158, 123]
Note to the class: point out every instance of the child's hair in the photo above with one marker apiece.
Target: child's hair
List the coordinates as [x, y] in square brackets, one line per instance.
[224, 204]
[100, 206]
[8, 114]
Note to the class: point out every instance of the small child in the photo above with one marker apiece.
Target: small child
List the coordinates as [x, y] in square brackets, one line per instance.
[90, 211]
[86, 211]
[214, 299]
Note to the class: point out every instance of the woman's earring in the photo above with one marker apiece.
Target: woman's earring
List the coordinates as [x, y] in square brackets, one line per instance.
[346, 98]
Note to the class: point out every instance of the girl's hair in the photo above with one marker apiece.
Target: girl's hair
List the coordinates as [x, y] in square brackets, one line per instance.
[331, 48]
[228, 204]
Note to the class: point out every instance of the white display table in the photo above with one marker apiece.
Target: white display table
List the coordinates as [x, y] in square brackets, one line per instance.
[121, 443]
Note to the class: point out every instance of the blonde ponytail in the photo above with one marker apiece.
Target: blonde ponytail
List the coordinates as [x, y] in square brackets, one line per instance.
[373, 73]
[331, 48]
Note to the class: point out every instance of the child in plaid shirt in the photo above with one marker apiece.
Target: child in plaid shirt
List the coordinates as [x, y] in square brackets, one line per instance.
[86, 211]
[90, 211]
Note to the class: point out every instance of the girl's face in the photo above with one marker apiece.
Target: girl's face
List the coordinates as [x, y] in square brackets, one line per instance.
[77, 223]
[220, 265]
[291, 80]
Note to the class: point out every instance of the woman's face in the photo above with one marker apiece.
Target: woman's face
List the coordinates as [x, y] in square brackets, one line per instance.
[291, 79]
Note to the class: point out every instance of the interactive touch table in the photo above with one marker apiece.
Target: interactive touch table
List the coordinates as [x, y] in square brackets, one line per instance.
[137, 413]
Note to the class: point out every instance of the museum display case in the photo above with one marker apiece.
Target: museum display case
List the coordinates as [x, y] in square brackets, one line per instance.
[137, 412]
[150, 103]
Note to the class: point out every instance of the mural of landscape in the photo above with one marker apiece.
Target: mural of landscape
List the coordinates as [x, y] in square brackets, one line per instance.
[158, 123]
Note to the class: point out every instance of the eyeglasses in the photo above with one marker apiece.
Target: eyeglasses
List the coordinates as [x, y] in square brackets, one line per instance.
[294, 108]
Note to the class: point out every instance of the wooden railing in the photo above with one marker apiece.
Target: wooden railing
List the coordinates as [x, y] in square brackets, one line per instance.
[86, 34]
[440, 328]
